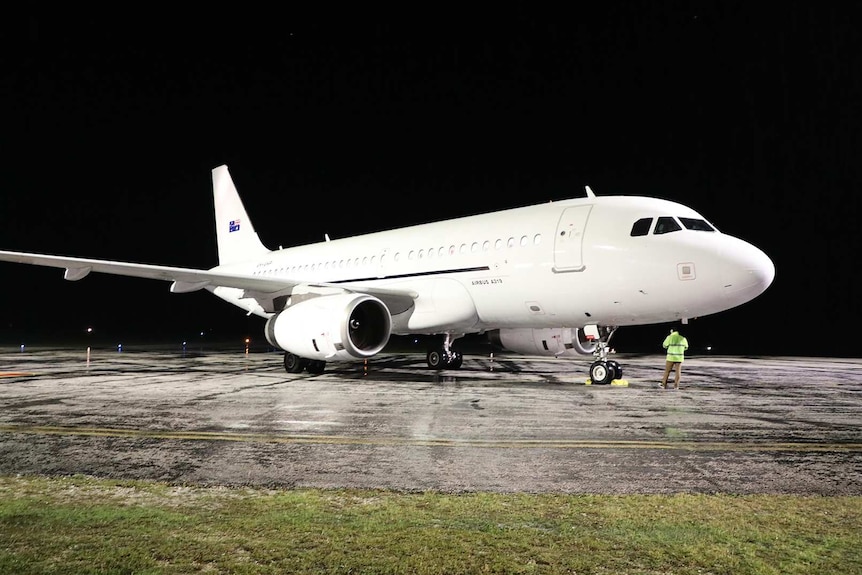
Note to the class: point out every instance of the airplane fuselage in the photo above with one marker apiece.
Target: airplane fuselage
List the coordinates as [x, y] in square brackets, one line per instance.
[569, 263]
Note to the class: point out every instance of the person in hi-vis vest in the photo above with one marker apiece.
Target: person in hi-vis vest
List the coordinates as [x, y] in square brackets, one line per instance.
[675, 344]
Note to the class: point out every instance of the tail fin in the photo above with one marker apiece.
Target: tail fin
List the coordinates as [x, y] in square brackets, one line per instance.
[235, 233]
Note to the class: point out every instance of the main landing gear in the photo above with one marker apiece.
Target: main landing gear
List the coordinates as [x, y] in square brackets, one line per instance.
[604, 370]
[295, 364]
[442, 356]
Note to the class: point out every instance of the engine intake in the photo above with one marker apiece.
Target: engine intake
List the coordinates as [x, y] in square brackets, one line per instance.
[332, 327]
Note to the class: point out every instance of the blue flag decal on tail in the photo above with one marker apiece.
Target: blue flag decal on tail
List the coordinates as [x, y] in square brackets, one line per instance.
[234, 226]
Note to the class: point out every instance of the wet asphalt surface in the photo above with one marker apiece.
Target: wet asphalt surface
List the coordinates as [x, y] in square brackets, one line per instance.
[508, 424]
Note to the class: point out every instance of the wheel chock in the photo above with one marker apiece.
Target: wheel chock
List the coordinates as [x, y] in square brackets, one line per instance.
[617, 382]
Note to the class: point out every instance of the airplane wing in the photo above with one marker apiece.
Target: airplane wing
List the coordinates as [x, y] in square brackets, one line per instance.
[190, 279]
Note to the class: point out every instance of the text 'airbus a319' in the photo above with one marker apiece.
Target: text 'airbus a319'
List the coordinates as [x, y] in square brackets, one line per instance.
[556, 278]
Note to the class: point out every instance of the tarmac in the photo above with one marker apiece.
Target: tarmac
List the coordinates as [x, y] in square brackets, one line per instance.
[505, 423]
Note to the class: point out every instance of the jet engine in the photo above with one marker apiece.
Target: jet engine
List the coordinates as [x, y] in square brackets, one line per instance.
[332, 327]
[567, 341]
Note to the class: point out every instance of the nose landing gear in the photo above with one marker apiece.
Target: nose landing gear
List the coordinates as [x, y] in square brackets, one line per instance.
[604, 370]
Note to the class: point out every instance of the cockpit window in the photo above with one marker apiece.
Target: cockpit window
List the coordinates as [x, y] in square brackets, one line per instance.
[665, 225]
[641, 227]
[696, 225]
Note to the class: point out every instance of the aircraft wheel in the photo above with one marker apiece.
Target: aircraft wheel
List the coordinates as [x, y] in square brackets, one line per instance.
[315, 367]
[616, 368]
[436, 359]
[293, 363]
[601, 373]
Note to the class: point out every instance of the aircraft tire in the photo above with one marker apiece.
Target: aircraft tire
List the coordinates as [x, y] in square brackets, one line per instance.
[315, 367]
[601, 373]
[616, 368]
[293, 363]
[435, 359]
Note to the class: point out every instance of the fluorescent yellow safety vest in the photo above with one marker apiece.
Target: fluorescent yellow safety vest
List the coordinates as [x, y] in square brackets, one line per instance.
[675, 344]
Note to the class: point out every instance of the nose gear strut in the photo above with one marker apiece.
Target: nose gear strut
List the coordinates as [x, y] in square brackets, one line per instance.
[604, 370]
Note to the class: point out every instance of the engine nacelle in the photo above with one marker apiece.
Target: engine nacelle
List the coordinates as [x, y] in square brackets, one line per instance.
[332, 327]
[568, 341]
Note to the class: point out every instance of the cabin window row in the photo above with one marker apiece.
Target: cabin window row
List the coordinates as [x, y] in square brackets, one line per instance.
[415, 254]
[473, 248]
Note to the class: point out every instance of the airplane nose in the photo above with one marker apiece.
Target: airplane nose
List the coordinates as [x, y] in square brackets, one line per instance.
[747, 271]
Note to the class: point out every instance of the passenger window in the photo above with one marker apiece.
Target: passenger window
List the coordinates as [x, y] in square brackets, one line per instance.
[641, 227]
[665, 225]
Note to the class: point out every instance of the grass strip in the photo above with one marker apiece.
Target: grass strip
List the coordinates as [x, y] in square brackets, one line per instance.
[80, 525]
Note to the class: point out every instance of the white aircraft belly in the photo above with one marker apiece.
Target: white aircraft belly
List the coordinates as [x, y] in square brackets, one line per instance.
[444, 304]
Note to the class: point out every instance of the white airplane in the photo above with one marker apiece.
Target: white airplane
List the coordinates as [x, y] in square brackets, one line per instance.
[553, 279]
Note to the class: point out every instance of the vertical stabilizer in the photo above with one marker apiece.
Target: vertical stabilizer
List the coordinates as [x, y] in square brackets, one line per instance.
[235, 234]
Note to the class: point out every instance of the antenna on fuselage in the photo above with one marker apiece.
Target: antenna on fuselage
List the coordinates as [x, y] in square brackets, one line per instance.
[326, 237]
[590, 193]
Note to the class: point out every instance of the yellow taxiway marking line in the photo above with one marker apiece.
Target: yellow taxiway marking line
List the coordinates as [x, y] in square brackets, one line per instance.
[16, 373]
[442, 442]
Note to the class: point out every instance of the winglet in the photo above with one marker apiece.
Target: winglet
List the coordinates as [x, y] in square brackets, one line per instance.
[235, 233]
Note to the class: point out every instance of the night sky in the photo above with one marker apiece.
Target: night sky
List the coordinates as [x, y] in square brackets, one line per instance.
[749, 114]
